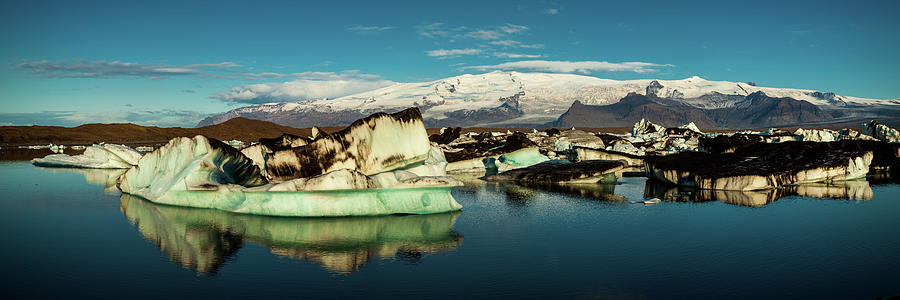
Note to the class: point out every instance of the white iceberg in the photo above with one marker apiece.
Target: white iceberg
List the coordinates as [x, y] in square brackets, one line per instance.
[691, 126]
[186, 164]
[881, 132]
[102, 156]
[644, 128]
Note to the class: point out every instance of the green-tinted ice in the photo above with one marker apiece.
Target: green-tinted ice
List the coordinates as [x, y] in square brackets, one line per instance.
[367, 202]
[202, 239]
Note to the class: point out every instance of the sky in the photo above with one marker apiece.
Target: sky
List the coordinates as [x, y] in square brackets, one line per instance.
[172, 63]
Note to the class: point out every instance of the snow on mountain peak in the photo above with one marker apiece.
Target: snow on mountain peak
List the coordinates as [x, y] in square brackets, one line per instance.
[541, 97]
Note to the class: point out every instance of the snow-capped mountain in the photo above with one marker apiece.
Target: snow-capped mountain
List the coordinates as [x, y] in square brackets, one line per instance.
[499, 99]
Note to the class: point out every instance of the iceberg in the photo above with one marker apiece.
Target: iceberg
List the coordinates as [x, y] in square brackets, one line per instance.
[378, 143]
[381, 165]
[881, 132]
[691, 126]
[762, 166]
[520, 158]
[102, 156]
[644, 128]
[589, 171]
[186, 164]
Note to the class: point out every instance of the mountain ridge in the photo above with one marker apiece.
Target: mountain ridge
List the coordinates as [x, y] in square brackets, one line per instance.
[482, 99]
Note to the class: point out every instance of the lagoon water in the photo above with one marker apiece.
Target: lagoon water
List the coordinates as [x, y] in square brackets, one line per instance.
[68, 233]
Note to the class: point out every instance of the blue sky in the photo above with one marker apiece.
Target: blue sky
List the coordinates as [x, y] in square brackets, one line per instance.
[170, 63]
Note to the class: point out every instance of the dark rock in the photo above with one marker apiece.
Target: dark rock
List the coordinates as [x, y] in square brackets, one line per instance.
[552, 132]
[447, 136]
[653, 88]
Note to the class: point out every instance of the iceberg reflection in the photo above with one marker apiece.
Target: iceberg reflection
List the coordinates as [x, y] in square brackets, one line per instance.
[204, 239]
[849, 190]
[102, 177]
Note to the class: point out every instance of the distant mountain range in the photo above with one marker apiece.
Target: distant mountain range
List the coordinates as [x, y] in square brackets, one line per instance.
[514, 99]
[756, 110]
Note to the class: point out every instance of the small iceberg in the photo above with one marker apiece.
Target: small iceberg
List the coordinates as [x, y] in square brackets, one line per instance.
[102, 156]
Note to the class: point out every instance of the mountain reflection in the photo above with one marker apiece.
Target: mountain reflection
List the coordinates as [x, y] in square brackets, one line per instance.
[850, 190]
[204, 239]
[102, 177]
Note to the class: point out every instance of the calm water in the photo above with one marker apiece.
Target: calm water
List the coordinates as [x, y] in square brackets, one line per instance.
[65, 235]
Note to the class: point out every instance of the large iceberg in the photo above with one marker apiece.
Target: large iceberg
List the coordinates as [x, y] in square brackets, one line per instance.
[102, 156]
[379, 143]
[383, 164]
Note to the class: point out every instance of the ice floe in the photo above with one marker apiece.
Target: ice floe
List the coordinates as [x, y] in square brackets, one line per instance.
[102, 156]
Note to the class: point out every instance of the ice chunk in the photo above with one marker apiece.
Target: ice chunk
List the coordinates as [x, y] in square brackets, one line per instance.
[570, 138]
[375, 144]
[103, 156]
[691, 126]
[343, 179]
[258, 154]
[189, 164]
[817, 135]
[521, 158]
[433, 165]
[881, 132]
[646, 128]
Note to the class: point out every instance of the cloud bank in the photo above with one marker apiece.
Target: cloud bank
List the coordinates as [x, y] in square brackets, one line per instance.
[583, 67]
[161, 118]
[306, 86]
[448, 53]
[113, 69]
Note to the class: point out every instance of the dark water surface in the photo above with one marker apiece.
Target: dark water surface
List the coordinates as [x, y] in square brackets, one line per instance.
[65, 236]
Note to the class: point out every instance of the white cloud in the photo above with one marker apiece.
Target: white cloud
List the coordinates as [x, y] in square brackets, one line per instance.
[515, 55]
[307, 86]
[583, 67]
[438, 30]
[482, 34]
[551, 11]
[112, 69]
[515, 44]
[448, 53]
[512, 28]
[226, 64]
[369, 29]
[259, 75]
